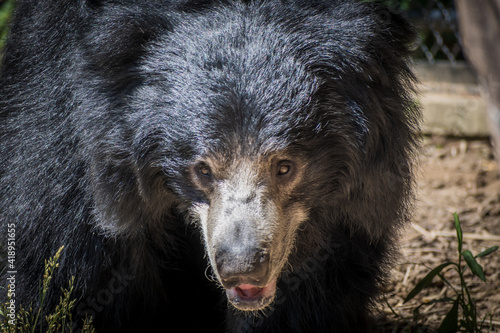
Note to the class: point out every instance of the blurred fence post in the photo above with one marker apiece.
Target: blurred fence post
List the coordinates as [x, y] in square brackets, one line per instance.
[479, 23]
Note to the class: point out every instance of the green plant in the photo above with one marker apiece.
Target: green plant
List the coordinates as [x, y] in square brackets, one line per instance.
[6, 8]
[463, 303]
[29, 320]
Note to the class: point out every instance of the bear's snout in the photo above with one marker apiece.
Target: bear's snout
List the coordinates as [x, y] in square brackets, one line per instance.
[244, 271]
[242, 263]
[241, 257]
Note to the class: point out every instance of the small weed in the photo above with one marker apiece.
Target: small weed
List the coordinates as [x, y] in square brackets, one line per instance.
[29, 320]
[462, 316]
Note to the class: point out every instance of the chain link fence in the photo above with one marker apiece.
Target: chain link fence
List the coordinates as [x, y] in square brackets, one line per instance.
[436, 23]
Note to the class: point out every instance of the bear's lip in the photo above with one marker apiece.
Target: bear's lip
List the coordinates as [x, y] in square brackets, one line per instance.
[249, 297]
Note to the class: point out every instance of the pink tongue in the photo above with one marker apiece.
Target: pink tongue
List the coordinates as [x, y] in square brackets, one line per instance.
[248, 291]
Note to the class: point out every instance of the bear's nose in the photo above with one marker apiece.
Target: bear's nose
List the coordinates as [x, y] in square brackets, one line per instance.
[239, 264]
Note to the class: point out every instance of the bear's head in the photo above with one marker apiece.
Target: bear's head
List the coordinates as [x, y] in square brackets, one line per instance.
[266, 125]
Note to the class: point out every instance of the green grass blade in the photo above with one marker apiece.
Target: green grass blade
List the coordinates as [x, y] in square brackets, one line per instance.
[450, 322]
[487, 251]
[426, 281]
[458, 228]
[473, 265]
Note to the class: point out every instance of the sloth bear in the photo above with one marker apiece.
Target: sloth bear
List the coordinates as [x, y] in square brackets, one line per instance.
[214, 166]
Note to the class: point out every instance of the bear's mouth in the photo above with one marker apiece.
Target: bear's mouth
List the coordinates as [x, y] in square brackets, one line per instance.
[249, 297]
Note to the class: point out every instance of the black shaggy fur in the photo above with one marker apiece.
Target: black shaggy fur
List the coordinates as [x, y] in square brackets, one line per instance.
[105, 104]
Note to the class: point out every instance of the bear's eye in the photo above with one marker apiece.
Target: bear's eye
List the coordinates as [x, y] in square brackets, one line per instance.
[284, 168]
[204, 170]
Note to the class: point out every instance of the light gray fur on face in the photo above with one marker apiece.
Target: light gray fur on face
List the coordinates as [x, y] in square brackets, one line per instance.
[240, 210]
[249, 222]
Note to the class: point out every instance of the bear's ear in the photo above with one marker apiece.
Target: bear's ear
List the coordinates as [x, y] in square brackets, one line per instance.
[393, 32]
[357, 38]
[117, 39]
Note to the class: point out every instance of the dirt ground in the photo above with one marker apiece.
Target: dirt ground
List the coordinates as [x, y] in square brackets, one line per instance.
[454, 176]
